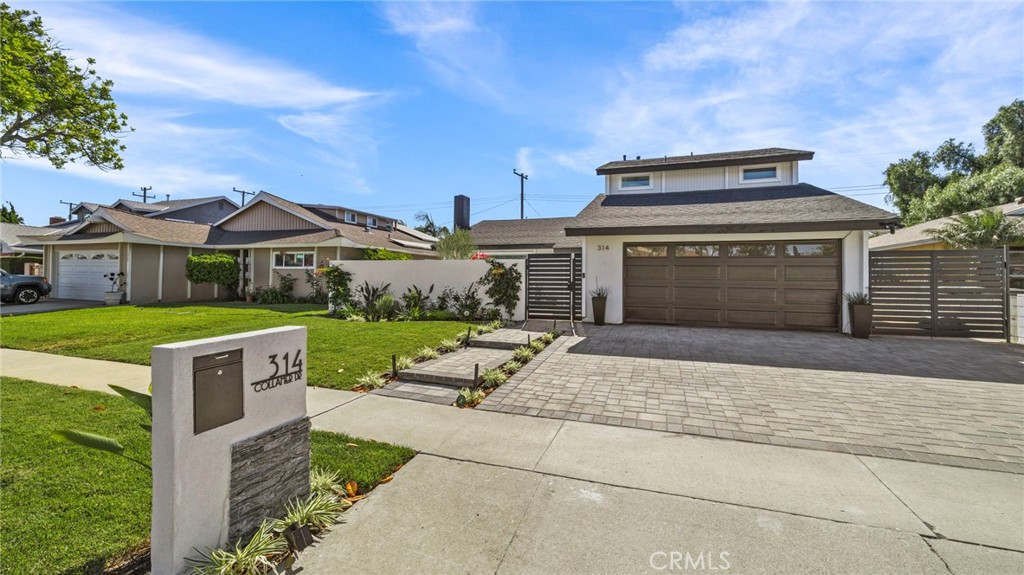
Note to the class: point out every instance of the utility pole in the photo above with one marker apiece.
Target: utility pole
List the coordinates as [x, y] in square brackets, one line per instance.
[145, 194]
[70, 205]
[243, 192]
[522, 193]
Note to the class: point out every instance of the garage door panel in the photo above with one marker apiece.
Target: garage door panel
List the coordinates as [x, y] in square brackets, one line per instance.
[798, 296]
[642, 294]
[752, 273]
[820, 273]
[652, 314]
[744, 286]
[647, 272]
[697, 316]
[752, 295]
[824, 320]
[763, 318]
[697, 272]
[687, 295]
[80, 273]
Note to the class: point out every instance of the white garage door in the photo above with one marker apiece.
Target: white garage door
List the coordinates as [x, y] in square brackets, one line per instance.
[80, 273]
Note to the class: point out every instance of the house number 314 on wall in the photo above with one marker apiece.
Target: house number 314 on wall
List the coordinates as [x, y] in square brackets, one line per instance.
[287, 368]
[602, 247]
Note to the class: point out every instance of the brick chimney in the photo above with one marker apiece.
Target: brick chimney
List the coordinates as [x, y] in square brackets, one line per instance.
[54, 220]
[461, 212]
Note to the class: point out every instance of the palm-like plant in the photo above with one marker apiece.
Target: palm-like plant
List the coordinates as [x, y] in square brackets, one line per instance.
[982, 229]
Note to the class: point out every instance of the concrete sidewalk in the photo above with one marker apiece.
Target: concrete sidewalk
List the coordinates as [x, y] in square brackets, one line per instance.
[501, 493]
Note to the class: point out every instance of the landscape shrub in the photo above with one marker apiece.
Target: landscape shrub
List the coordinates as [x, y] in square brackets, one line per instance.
[217, 269]
[502, 285]
[384, 254]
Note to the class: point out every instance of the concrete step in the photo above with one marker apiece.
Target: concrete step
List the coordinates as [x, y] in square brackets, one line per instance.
[505, 338]
[457, 369]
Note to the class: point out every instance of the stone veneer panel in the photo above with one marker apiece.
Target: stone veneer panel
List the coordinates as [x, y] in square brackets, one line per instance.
[268, 471]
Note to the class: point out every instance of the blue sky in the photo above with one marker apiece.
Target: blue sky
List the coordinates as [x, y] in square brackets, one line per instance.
[395, 108]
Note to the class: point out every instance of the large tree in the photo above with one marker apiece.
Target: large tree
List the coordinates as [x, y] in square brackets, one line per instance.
[953, 179]
[10, 215]
[981, 229]
[50, 107]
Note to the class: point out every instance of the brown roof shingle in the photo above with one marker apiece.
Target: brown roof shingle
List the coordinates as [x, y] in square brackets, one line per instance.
[767, 209]
[704, 160]
[540, 233]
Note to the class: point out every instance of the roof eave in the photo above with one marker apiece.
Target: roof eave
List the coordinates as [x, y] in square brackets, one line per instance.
[792, 157]
[817, 226]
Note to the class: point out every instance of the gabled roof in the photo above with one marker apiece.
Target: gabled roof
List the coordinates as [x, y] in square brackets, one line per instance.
[534, 233]
[169, 206]
[742, 157]
[153, 228]
[917, 234]
[800, 207]
[280, 203]
[17, 237]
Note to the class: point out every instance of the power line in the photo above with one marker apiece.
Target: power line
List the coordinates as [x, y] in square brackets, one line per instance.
[534, 209]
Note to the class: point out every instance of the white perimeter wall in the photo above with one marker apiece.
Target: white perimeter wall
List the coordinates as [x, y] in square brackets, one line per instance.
[404, 274]
[603, 265]
[1017, 318]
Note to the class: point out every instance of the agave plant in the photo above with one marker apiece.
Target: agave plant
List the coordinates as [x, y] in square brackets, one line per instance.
[319, 511]
[109, 444]
[256, 557]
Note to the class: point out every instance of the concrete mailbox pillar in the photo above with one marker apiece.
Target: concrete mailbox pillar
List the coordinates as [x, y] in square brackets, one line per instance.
[230, 439]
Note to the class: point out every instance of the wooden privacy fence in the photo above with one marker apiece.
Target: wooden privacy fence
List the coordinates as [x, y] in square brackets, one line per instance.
[957, 293]
[553, 286]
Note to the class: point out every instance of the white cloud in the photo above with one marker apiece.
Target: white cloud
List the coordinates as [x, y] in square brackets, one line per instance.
[524, 164]
[860, 83]
[170, 81]
[144, 57]
[465, 56]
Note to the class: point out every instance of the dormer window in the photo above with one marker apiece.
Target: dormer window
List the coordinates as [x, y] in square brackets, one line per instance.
[350, 218]
[635, 182]
[371, 222]
[761, 174]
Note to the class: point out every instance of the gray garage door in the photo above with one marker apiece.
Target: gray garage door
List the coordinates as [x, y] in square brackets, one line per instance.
[777, 285]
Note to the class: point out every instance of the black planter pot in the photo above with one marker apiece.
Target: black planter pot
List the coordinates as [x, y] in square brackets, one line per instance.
[861, 315]
[598, 303]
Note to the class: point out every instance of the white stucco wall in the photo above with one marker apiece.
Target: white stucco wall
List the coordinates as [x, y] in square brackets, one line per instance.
[603, 265]
[192, 473]
[404, 274]
[1017, 318]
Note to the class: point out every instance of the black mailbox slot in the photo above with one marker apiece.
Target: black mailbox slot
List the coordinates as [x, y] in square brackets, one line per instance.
[217, 389]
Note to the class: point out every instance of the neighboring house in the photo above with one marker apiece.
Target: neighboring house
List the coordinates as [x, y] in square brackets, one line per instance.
[730, 239]
[519, 237]
[12, 244]
[916, 237]
[197, 210]
[18, 256]
[269, 235]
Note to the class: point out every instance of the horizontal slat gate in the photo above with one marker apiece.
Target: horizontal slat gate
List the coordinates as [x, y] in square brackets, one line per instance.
[958, 293]
[551, 280]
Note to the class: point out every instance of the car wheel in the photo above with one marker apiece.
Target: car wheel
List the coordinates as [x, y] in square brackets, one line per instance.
[27, 295]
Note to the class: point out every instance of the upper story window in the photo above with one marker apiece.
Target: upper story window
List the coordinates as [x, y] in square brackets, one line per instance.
[760, 174]
[350, 218]
[371, 222]
[294, 260]
[642, 182]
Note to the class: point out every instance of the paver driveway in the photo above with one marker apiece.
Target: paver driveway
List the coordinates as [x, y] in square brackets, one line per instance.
[953, 402]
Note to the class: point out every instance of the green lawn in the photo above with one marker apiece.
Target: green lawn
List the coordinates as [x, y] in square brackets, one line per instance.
[339, 351]
[67, 510]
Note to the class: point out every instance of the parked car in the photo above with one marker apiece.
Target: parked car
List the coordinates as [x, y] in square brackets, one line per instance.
[21, 288]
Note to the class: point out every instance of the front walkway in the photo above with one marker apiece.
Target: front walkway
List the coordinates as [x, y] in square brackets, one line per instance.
[953, 402]
[498, 493]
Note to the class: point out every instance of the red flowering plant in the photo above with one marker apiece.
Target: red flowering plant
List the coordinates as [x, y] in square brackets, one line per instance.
[503, 284]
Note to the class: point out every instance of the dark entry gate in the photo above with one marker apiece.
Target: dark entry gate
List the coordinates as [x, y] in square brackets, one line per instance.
[958, 293]
[554, 286]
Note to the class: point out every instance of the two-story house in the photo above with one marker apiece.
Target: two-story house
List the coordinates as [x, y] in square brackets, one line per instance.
[726, 239]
